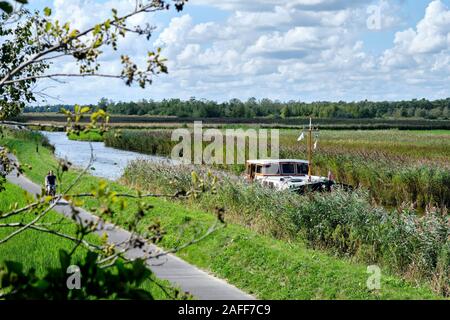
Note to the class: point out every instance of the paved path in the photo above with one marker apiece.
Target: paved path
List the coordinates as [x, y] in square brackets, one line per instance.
[169, 267]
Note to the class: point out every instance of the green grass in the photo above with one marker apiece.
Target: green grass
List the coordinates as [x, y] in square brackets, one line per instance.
[274, 269]
[261, 265]
[87, 136]
[39, 250]
[33, 248]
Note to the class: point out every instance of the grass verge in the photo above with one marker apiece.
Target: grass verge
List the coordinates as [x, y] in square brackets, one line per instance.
[39, 250]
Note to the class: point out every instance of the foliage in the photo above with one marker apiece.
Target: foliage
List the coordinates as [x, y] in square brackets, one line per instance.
[108, 204]
[92, 135]
[145, 141]
[119, 282]
[15, 49]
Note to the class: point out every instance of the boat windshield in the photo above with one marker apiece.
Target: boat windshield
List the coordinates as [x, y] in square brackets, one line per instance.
[288, 168]
[272, 168]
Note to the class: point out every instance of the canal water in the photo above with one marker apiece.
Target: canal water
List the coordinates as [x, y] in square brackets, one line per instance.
[108, 163]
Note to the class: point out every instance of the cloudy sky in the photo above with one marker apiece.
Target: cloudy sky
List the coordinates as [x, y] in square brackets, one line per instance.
[280, 49]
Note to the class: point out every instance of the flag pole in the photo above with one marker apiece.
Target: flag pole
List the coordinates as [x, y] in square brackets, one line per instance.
[310, 149]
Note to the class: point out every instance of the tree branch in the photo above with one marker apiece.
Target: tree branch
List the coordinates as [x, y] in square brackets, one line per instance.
[54, 75]
[156, 5]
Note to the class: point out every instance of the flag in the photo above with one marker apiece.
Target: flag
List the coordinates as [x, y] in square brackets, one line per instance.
[302, 136]
[315, 145]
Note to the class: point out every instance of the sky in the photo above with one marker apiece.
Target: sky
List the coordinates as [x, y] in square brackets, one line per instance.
[307, 50]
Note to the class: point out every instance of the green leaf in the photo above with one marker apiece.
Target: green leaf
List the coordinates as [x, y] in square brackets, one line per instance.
[85, 109]
[47, 11]
[73, 33]
[48, 25]
[5, 6]
[97, 29]
[97, 43]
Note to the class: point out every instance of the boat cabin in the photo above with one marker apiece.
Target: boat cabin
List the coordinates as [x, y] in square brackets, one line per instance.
[286, 174]
[276, 168]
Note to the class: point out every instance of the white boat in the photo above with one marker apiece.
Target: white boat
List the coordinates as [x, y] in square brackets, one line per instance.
[290, 174]
[286, 174]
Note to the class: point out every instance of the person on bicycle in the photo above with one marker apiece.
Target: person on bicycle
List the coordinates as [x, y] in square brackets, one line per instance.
[50, 183]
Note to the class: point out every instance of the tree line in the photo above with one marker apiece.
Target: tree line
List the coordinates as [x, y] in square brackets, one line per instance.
[235, 108]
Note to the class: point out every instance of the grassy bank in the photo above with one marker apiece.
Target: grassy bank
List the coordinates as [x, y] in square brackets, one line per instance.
[39, 250]
[257, 263]
[345, 224]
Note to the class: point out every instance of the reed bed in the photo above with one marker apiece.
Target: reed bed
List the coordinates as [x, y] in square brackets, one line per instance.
[396, 167]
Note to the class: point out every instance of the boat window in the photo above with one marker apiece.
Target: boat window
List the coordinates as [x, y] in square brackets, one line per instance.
[258, 169]
[288, 168]
[302, 168]
[271, 169]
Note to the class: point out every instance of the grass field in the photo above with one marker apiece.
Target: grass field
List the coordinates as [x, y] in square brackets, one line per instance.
[39, 250]
[259, 264]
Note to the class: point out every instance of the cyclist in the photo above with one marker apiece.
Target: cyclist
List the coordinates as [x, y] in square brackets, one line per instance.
[50, 184]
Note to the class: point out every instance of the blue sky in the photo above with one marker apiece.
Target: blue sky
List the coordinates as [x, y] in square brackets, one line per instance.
[301, 49]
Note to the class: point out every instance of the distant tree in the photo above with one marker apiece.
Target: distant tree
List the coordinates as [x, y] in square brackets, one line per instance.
[103, 104]
[446, 113]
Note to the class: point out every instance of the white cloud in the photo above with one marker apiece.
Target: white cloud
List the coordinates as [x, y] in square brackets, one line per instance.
[299, 49]
[423, 45]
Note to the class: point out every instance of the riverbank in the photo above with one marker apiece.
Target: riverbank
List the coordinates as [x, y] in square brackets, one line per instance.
[260, 265]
